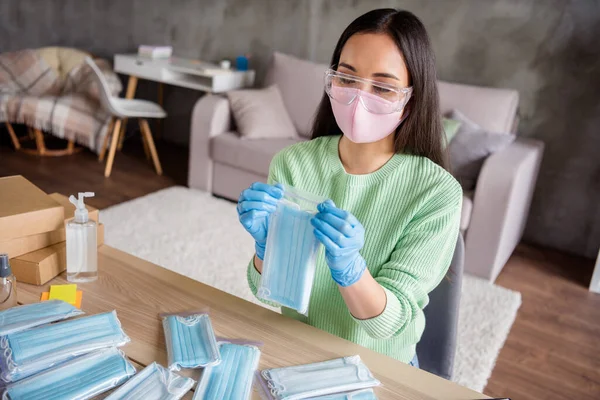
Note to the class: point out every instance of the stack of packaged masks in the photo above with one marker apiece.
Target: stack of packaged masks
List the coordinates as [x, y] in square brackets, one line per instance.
[228, 365]
[346, 378]
[41, 358]
[290, 254]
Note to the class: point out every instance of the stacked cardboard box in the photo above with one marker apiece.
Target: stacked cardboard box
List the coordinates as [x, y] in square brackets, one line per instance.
[32, 229]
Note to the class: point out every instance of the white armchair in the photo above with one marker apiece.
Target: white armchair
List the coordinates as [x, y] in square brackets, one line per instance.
[494, 215]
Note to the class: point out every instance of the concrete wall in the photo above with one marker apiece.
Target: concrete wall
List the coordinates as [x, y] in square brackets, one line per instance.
[546, 49]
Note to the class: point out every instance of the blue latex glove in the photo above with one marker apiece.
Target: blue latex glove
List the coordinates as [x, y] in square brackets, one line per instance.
[255, 205]
[343, 236]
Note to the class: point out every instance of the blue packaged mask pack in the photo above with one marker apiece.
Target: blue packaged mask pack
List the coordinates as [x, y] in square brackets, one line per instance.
[28, 316]
[319, 379]
[28, 352]
[153, 383]
[290, 254]
[81, 378]
[190, 340]
[231, 379]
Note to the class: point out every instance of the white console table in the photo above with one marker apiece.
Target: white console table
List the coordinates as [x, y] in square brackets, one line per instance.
[190, 74]
[185, 73]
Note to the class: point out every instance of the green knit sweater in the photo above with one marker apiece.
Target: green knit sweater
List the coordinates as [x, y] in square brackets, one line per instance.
[410, 209]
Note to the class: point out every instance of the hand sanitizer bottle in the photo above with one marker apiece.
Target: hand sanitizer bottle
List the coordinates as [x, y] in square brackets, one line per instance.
[82, 247]
[8, 284]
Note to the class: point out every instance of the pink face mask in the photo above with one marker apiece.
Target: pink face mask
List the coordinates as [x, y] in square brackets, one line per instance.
[359, 124]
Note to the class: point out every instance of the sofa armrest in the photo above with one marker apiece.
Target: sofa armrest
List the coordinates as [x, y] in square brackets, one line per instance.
[500, 206]
[211, 117]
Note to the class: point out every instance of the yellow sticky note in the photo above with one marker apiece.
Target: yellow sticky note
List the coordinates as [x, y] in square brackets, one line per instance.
[46, 295]
[66, 293]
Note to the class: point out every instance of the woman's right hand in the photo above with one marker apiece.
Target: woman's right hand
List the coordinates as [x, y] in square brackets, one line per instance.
[254, 207]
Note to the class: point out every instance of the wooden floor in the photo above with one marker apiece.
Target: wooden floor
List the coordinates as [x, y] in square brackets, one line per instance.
[132, 176]
[552, 352]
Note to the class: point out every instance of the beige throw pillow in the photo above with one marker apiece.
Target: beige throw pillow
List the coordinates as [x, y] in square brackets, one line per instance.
[260, 114]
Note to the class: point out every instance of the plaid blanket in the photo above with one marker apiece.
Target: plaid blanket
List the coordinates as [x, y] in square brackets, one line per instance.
[33, 93]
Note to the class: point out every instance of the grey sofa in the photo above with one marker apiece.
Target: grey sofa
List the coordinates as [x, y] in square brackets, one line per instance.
[493, 215]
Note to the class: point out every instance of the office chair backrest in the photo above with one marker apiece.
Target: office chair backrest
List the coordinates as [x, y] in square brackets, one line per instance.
[437, 347]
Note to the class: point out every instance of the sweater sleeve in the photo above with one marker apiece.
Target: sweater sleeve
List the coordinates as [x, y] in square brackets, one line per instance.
[419, 262]
[277, 174]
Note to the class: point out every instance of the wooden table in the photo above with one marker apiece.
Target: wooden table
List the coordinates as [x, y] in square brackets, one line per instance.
[140, 290]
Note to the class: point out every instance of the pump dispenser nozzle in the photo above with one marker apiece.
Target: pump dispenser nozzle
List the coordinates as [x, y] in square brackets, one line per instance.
[81, 213]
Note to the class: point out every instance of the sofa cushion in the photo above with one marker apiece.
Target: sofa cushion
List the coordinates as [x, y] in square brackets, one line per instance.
[470, 147]
[301, 86]
[467, 210]
[493, 109]
[260, 114]
[450, 128]
[250, 155]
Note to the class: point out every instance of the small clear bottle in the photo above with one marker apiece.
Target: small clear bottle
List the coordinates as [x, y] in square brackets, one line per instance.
[82, 247]
[8, 284]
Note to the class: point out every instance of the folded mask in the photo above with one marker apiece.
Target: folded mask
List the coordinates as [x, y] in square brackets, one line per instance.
[290, 257]
[318, 379]
[231, 379]
[19, 318]
[191, 341]
[81, 378]
[28, 352]
[153, 383]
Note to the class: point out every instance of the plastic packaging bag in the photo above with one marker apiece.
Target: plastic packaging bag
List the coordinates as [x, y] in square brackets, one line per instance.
[264, 392]
[78, 379]
[290, 254]
[190, 340]
[231, 379]
[28, 352]
[28, 316]
[154, 383]
[318, 379]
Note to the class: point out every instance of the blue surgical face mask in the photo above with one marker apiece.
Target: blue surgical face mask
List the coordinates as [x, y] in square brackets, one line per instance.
[153, 383]
[82, 378]
[19, 318]
[318, 379]
[290, 258]
[232, 378]
[28, 352]
[191, 341]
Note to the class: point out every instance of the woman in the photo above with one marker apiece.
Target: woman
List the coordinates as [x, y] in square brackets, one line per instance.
[390, 228]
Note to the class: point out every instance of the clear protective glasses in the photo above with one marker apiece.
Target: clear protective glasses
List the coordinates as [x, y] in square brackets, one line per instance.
[376, 97]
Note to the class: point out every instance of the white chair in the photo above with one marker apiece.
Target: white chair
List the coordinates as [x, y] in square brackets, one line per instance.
[123, 109]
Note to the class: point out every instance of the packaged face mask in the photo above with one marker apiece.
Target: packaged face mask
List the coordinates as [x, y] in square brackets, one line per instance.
[153, 383]
[364, 394]
[265, 392]
[290, 254]
[81, 378]
[28, 352]
[19, 318]
[191, 341]
[232, 378]
[318, 379]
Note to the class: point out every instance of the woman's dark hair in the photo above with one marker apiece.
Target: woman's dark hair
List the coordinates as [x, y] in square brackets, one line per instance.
[421, 133]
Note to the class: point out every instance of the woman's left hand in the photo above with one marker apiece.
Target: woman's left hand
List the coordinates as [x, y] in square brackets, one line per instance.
[343, 237]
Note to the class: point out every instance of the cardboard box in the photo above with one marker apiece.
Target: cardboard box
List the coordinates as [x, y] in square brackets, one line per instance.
[26, 210]
[40, 266]
[27, 244]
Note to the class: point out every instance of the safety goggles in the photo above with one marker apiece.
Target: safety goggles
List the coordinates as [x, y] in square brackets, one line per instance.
[376, 97]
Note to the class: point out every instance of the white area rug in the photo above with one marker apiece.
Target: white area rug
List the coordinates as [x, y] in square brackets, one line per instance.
[197, 235]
